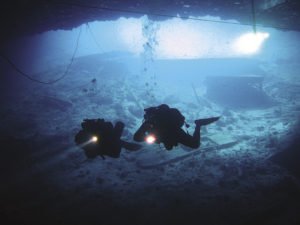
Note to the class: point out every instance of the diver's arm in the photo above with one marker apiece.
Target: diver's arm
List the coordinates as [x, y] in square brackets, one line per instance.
[141, 132]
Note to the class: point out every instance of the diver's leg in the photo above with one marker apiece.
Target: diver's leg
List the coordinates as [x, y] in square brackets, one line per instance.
[118, 129]
[188, 140]
[112, 146]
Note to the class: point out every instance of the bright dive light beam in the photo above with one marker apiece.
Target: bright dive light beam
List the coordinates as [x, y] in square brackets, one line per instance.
[250, 43]
[94, 139]
[150, 139]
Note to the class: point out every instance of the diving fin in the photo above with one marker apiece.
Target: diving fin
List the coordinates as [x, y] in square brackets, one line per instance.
[203, 122]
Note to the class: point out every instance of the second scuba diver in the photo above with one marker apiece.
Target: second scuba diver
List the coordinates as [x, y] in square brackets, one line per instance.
[99, 137]
[162, 124]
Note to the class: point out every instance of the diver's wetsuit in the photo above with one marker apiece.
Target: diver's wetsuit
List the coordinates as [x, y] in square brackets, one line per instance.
[172, 138]
[109, 142]
[112, 143]
[169, 136]
[188, 140]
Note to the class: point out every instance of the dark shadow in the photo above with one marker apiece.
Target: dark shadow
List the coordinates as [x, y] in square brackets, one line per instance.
[289, 157]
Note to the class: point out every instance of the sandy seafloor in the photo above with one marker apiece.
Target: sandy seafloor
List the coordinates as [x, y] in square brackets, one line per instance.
[46, 179]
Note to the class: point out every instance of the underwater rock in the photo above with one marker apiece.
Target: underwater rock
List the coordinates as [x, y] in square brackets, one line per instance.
[272, 142]
[135, 111]
[227, 113]
[156, 160]
[123, 175]
[171, 99]
[260, 128]
[222, 90]
[230, 128]
[50, 103]
[105, 100]
[16, 155]
[223, 140]
[99, 180]
[99, 99]
[289, 157]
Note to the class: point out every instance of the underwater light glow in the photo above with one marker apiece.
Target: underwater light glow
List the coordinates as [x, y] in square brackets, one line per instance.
[94, 139]
[180, 39]
[130, 31]
[169, 39]
[150, 139]
[250, 43]
[185, 39]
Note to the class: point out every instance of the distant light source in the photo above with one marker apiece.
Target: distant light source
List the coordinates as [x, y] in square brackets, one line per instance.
[150, 139]
[185, 39]
[250, 43]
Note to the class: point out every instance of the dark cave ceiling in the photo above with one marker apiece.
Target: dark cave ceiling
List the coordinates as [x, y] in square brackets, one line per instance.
[22, 17]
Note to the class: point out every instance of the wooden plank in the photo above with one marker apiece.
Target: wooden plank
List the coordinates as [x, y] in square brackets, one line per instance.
[222, 139]
[174, 156]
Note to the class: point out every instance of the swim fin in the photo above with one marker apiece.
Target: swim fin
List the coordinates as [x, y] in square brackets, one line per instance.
[203, 122]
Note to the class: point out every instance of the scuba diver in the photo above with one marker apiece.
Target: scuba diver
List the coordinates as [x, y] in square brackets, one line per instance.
[162, 124]
[99, 137]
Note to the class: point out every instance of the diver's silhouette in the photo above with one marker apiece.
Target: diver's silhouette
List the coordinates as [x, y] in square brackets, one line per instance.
[162, 124]
[99, 137]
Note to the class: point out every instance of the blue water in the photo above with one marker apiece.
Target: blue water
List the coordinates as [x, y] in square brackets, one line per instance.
[230, 179]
